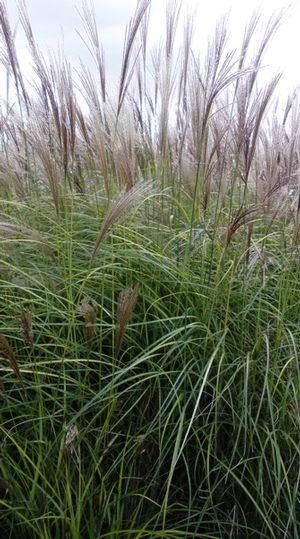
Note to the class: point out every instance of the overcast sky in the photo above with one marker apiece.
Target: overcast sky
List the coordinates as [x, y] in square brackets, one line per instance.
[52, 18]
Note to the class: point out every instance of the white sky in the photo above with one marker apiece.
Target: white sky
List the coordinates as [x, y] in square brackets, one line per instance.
[51, 18]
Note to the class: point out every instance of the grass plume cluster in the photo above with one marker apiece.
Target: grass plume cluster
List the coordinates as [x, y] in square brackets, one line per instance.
[149, 279]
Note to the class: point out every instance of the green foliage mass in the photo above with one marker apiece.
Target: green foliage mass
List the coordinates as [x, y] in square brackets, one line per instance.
[192, 430]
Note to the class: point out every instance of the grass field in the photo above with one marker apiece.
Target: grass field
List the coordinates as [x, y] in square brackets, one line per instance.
[149, 279]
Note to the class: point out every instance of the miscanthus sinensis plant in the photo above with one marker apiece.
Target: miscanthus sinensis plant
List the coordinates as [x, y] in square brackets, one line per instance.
[149, 279]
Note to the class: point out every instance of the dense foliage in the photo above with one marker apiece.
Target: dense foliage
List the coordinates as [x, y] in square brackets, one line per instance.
[149, 277]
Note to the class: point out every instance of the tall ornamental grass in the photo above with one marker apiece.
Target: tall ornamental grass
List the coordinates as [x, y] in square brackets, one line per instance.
[149, 290]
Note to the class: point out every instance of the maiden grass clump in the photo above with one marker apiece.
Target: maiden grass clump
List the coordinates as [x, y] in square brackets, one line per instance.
[149, 279]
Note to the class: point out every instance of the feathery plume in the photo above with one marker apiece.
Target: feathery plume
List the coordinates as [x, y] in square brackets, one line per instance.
[29, 232]
[89, 314]
[10, 355]
[126, 202]
[69, 443]
[126, 303]
[26, 326]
